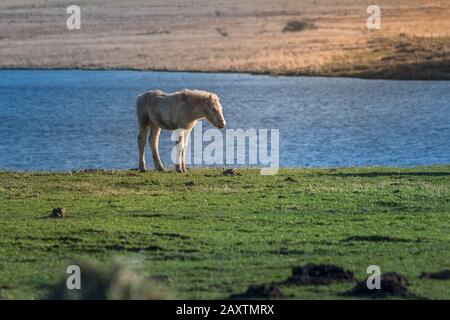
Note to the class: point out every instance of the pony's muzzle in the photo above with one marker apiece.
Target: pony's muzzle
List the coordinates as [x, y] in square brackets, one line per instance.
[222, 124]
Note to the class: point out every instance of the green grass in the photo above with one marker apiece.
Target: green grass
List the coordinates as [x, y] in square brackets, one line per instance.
[224, 233]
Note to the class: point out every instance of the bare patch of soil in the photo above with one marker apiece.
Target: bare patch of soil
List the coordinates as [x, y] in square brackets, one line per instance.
[393, 284]
[319, 274]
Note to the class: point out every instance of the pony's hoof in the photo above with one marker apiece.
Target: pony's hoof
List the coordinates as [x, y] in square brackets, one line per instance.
[161, 169]
[142, 169]
[178, 169]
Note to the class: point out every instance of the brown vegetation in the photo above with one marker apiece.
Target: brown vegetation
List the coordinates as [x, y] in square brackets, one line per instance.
[296, 25]
[232, 36]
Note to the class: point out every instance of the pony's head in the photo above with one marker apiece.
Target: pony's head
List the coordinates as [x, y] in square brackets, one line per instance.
[214, 112]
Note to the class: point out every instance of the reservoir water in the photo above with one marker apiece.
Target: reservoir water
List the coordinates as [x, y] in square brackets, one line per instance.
[74, 119]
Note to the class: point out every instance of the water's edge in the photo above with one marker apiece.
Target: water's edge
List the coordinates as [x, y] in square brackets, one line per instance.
[235, 72]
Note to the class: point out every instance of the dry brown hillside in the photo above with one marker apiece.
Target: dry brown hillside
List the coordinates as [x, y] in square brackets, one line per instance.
[231, 35]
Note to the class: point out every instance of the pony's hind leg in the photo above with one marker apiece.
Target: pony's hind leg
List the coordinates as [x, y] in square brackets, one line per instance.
[141, 139]
[154, 144]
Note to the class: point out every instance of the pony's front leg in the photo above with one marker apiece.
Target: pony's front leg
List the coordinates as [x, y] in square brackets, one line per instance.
[154, 144]
[180, 148]
[185, 145]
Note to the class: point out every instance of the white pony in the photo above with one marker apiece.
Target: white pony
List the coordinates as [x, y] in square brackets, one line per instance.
[157, 110]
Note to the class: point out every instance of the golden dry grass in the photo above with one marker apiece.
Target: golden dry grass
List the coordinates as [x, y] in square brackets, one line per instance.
[233, 35]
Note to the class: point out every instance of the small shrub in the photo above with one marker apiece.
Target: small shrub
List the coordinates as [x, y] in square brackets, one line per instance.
[296, 26]
[116, 281]
[222, 32]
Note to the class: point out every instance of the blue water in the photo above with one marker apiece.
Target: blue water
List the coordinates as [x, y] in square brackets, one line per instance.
[64, 120]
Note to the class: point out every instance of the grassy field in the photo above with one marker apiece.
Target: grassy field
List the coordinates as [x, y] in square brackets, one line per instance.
[231, 36]
[209, 235]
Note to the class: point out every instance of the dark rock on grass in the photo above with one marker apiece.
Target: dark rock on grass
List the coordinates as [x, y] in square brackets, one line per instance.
[319, 274]
[58, 213]
[190, 183]
[231, 172]
[262, 291]
[290, 179]
[92, 170]
[440, 275]
[392, 284]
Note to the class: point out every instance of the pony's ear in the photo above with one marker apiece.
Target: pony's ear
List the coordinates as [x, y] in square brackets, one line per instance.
[210, 96]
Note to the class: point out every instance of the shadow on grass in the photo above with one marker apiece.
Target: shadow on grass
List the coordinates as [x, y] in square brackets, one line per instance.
[374, 238]
[375, 174]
